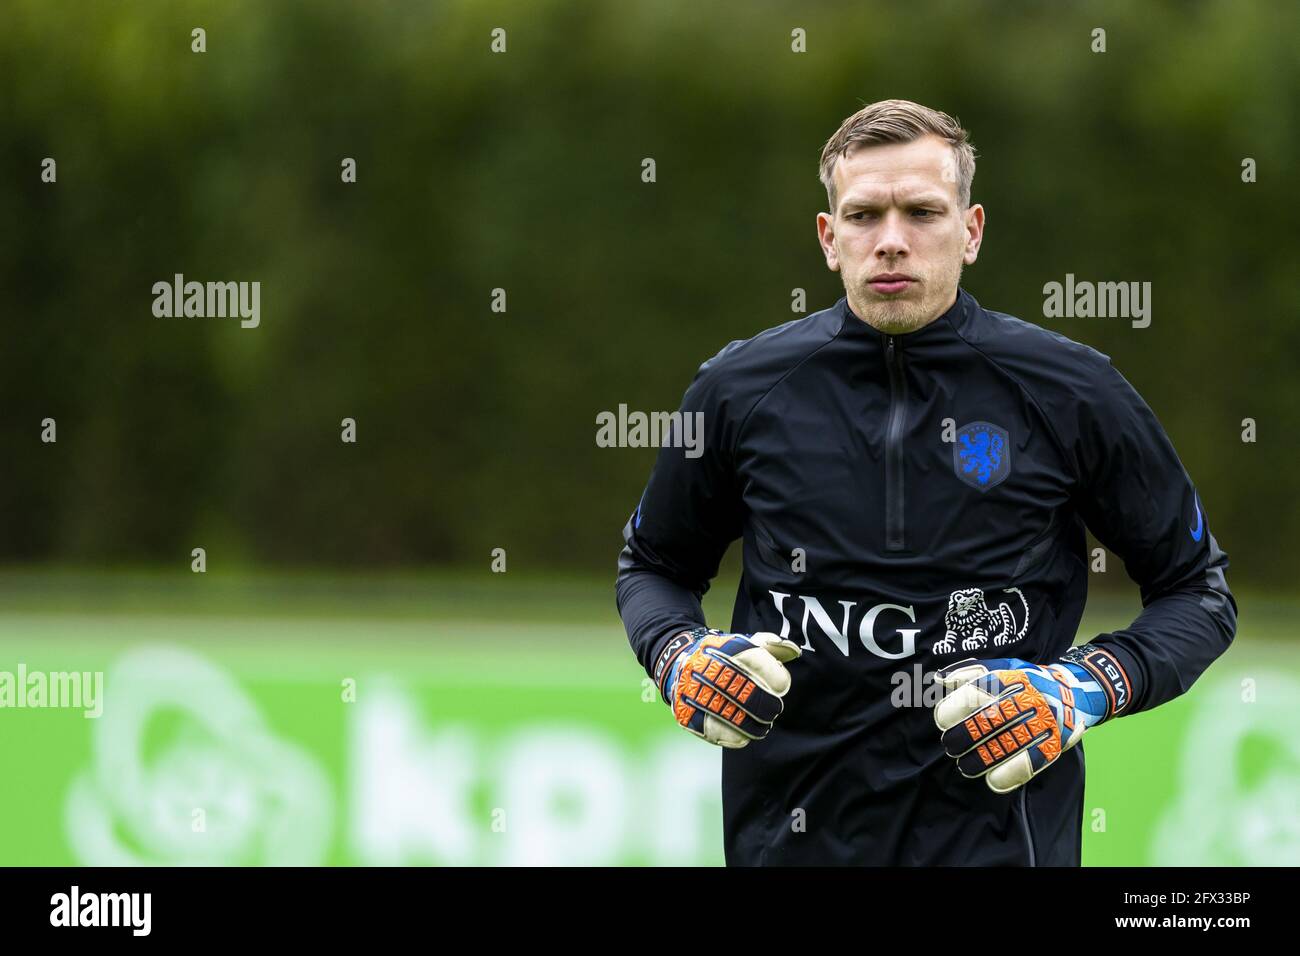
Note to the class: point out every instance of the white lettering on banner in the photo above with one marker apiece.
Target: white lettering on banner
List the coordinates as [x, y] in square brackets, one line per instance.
[565, 794]
[419, 787]
[266, 801]
[410, 788]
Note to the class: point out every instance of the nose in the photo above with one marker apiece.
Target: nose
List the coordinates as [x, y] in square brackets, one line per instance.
[891, 241]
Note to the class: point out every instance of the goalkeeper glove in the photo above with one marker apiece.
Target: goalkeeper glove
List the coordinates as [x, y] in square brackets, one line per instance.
[726, 688]
[1007, 719]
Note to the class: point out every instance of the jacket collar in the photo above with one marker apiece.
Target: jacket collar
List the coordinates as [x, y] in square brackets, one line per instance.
[944, 328]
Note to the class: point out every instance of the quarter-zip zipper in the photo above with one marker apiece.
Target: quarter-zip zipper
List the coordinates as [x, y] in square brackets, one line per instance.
[893, 448]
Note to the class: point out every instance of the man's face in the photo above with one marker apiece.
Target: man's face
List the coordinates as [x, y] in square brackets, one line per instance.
[899, 236]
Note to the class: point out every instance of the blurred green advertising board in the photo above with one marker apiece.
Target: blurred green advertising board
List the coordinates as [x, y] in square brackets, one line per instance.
[257, 740]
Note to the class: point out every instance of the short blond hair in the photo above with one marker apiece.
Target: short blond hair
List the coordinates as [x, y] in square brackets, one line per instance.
[898, 121]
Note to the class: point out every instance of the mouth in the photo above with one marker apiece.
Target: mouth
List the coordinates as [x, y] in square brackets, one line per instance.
[891, 283]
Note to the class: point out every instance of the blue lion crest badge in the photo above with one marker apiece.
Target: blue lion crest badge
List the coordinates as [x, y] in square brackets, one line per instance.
[981, 455]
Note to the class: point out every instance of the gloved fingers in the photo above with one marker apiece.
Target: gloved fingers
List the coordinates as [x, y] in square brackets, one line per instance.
[990, 707]
[1025, 733]
[1011, 740]
[719, 684]
[962, 703]
[720, 659]
[710, 715]
[979, 689]
[766, 670]
[1014, 772]
[954, 675]
[997, 721]
[729, 690]
[960, 672]
[780, 648]
[717, 731]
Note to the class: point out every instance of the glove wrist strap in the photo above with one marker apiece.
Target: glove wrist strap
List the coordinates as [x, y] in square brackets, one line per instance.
[1105, 668]
[674, 649]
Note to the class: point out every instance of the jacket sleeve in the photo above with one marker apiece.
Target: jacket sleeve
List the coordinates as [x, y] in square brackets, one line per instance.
[687, 517]
[1137, 498]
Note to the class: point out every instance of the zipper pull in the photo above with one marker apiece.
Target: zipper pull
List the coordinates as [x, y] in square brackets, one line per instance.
[890, 340]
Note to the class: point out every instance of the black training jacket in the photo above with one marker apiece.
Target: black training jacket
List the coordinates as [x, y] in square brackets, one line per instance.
[906, 501]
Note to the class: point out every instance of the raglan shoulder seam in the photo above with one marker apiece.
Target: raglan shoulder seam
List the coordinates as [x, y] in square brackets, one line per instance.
[768, 391]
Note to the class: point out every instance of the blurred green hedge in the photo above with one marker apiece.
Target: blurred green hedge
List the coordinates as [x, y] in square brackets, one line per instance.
[521, 170]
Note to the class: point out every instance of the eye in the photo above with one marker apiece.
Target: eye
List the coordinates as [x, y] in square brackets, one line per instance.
[923, 212]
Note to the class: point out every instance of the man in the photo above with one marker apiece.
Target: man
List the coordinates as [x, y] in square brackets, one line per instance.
[911, 475]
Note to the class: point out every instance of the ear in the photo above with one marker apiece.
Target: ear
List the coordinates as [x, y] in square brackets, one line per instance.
[974, 233]
[826, 238]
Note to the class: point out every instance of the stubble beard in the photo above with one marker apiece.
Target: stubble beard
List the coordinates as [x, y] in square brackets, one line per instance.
[917, 307]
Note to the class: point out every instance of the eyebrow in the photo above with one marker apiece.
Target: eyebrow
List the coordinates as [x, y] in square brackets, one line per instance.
[922, 199]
